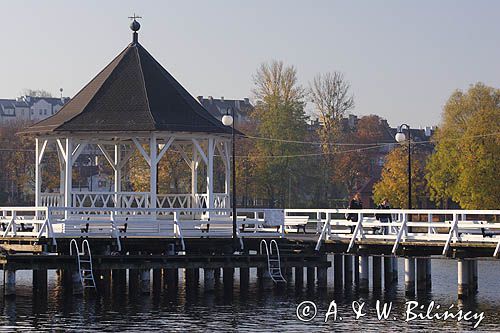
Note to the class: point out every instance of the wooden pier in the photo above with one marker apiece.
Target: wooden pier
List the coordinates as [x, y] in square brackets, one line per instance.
[325, 246]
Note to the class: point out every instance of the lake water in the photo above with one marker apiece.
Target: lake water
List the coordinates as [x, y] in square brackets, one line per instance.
[254, 310]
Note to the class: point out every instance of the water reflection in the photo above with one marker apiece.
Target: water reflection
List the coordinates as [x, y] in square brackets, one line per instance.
[247, 309]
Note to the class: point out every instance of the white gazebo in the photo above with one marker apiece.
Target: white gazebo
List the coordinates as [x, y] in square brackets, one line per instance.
[134, 104]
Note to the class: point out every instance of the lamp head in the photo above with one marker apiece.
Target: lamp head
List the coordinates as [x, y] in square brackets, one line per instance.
[400, 137]
[227, 120]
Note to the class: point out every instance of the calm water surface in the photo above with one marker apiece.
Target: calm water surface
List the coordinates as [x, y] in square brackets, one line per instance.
[246, 311]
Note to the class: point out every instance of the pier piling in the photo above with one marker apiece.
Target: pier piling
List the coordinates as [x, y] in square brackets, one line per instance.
[157, 280]
[40, 283]
[463, 278]
[244, 278]
[410, 276]
[347, 271]
[145, 281]
[228, 278]
[394, 269]
[9, 282]
[322, 273]
[421, 275]
[363, 273]
[356, 271]
[310, 272]
[338, 271]
[209, 279]
[377, 272]
[299, 277]
[387, 272]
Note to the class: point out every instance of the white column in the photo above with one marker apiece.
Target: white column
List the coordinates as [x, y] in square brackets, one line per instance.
[194, 177]
[210, 174]
[118, 175]
[226, 157]
[38, 178]
[154, 177]
[68, 185]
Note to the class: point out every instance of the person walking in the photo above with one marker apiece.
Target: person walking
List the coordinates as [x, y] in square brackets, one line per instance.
[385, 217]
[355, 203]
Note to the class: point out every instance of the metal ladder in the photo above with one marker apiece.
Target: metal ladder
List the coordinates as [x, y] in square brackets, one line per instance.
[84, 260]
[273, 260]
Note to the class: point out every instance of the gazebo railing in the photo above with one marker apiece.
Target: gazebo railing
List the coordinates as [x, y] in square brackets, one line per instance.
[51, 199]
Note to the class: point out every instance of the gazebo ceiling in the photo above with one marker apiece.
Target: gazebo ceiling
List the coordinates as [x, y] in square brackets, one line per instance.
[133, 93]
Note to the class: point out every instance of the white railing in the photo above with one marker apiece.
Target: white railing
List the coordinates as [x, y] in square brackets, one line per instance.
[444, 227]
[173, 201]
[109, 199]
[220, 200]
[51, 199]
[25, 222]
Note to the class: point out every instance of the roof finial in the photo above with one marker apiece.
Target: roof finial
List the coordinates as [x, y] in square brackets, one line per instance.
[135, 26]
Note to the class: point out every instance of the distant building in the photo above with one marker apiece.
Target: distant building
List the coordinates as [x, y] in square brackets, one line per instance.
[218, 107]
[29, 108]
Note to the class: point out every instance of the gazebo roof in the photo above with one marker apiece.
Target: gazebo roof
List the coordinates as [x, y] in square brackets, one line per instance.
[133, 93]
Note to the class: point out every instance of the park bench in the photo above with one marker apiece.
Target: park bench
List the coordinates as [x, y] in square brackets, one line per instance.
[296, 223]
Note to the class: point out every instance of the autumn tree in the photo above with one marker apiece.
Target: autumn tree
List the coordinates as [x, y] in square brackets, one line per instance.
[280, 118]
[357, 161]
[332, 99]
[465, 165]
[393, 184]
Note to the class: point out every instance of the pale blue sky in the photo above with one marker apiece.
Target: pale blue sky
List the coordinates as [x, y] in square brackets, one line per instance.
[403, 58]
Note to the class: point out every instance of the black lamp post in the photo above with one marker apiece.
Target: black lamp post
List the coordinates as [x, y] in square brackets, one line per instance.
[400, 137]
[228, 120]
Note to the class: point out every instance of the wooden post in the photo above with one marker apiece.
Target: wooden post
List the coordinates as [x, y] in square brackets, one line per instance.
[429, 274]
[338, 271]
[9, 282]
[387, 272]
[145, 280]
[394, 269]
[171, 276]
[377, 272]
[133, 280]
[119, 279]
[463, 278]
[244, 277]
[473, 285]
[228, 278]
[310, 276]
[410, 276]
[209, 279]
[363, 273]
[40, 283]
[421, 275]
[356, 270]
[347, 270]
[322, 273]
[157, 280]
[299, 276]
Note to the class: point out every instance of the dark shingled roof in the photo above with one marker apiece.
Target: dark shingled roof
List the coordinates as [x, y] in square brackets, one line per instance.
[133, 93]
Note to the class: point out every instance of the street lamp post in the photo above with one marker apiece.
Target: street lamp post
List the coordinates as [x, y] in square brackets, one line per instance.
[228, 120]
[400, 137]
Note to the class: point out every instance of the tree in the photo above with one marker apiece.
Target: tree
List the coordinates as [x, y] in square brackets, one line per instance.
[356, 164]
[464, 167]
[330, 94]
[393, 184]
[280, 117]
